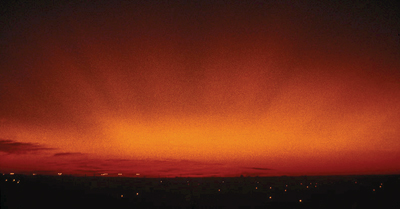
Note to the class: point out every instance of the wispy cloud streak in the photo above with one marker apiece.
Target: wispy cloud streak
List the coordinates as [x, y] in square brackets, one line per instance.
[13, 147]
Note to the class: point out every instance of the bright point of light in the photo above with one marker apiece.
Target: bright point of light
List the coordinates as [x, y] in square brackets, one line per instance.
[380, 187]
[13, 179]
[33, 174]
[104, 174]
[270, 197]
[285, 190]
[18, 182]
[300, 200]
[122, 195]
[160, 181]
[219, 190]
[381, 184]
[315, 186]
[119, 174]
[137, 193]
[373, 190]
[270, 187]
[286, 185]
[59, 174]
[11, 174]
[137, 174]
[256, 188]
[6, 179]
[307, 187]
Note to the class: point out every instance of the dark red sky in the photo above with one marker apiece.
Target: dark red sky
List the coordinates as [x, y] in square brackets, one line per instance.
[200, 89]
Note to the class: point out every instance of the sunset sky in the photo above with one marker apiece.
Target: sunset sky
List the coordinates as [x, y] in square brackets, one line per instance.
[200, 88]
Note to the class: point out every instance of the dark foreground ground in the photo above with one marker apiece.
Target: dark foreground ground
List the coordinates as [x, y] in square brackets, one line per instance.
[21, 191]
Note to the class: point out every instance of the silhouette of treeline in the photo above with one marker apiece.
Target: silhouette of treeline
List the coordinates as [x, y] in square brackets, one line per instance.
[21, 191]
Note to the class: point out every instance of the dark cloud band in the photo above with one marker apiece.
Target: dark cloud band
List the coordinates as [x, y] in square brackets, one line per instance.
[13, 147]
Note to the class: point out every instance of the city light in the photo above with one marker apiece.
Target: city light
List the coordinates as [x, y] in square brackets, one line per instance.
[59, 174]
[11, 174]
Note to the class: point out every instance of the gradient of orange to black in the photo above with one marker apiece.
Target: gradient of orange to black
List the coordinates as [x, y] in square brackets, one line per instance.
[200, 88]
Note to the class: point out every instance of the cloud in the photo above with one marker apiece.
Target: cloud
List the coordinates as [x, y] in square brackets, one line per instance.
[89, 171]
[167, 170]
[62, 154]
[262, 169]
[119, 160]
[12, 147]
